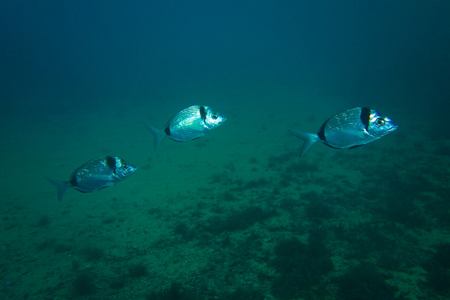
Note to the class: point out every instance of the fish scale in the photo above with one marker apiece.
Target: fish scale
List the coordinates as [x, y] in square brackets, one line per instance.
[187, 125]
[349, 122]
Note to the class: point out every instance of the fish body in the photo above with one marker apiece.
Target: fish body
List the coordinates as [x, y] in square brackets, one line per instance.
[96, 174]
[350, 129]
[189, 124]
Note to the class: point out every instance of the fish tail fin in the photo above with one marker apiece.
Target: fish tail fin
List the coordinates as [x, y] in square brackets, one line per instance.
[308, 138]
[61, 185]
[157, 134]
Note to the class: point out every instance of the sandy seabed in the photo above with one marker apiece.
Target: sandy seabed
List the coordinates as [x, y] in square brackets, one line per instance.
[234, 215]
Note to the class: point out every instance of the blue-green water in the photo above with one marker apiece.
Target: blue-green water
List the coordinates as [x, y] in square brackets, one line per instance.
[236, 214]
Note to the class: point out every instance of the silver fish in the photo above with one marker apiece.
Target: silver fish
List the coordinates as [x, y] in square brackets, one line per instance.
[96, 174]
[190, 123]
[350, 129]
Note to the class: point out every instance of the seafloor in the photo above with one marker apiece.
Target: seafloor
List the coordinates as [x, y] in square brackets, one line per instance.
[234, 215]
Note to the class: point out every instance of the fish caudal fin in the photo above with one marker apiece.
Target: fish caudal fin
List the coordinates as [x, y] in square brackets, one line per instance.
[308, 138]
[157, 134]
[61, 185]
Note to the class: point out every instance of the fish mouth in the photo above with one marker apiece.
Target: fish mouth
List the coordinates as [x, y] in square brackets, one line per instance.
[393, 128]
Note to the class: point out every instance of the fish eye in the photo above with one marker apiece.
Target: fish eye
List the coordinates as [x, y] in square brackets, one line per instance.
[214, 116]
[381, 121]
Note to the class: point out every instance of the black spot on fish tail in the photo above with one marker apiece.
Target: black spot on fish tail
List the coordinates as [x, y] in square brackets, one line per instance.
[365, 116]
[203, 113]
[111, 162]
[321, 132]
[167, 130]
[73, 182]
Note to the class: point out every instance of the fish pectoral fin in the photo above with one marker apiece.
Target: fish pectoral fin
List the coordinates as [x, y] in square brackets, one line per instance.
[308, 138]
[353, 147]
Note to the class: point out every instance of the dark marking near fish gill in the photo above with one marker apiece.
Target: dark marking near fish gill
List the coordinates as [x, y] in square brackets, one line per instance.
[167, 130]
[203, 113]
[111, 162]
[365, 117]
